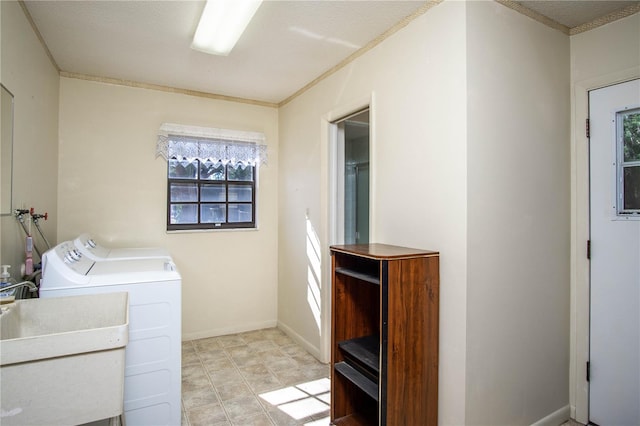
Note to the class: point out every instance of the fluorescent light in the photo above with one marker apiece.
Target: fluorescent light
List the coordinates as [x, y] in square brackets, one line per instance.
[222, 23]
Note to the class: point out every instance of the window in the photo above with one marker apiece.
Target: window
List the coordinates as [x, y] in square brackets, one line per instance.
[206, 195]
[628, 162]
[211, 176]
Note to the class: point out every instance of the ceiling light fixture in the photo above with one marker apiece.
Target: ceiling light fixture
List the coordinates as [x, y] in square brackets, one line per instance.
[222, 23]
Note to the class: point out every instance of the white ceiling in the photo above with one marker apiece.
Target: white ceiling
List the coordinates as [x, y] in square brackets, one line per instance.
[287, 44]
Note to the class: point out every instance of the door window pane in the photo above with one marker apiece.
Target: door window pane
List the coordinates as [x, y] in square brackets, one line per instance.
[183, 169]
[184, 192]
[213, 192]
[212, 213]
[631, 136]
[183, 213]
[240, 213]
[239, 193]
[632, 188]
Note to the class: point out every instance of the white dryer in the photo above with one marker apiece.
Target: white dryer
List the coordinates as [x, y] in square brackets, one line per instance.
[152, 356]
[88, 246]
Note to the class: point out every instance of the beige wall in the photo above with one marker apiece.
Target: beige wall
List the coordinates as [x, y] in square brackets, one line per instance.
[518, 218]
[33, 80]
[606, 55]
[113, 186]
[418, 170]
[454, 96]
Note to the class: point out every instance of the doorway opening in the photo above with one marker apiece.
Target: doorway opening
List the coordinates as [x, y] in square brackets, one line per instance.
[353, 178]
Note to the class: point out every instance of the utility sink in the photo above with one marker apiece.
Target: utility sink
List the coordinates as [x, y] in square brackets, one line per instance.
[62, 359]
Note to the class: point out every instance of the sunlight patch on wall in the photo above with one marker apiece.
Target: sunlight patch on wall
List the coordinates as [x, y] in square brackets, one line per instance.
[314, 275]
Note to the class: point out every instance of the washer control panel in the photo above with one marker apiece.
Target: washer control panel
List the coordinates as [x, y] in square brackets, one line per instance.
[90, 248]
[73, 258]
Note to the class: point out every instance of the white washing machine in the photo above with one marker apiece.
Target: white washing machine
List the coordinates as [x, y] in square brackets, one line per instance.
[152, 356]
[86, 245]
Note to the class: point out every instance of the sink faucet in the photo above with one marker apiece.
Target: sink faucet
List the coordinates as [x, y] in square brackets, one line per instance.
[32, 286]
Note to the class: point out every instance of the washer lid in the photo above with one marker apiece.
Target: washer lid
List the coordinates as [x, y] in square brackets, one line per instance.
[137, 253]
[133, 270]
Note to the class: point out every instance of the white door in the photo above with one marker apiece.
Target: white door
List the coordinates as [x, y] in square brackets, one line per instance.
[614, 383]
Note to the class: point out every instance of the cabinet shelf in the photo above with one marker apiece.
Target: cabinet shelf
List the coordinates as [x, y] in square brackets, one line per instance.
[364, 354]
[358, 379]
[373, 279]
[351, 420]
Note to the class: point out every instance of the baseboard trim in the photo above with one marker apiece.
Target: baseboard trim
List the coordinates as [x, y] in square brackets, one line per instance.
[556, 418]
[313, 350]
[223, 331]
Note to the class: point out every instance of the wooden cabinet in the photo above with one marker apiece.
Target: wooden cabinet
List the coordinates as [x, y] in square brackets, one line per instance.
[384, 319]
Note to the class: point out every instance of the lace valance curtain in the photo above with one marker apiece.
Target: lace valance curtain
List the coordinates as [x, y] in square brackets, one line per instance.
[209, 144]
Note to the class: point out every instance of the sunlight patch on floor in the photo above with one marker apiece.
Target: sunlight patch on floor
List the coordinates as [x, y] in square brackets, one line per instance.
[302, 400]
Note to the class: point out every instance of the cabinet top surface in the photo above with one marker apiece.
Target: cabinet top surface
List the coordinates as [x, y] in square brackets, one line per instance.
[382, 251]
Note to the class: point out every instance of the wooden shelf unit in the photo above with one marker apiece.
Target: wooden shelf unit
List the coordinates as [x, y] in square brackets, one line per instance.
[384, 342]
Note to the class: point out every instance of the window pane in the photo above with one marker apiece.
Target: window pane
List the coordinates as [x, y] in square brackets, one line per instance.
[211, 171]
[183, 169]
[184, 192]
[238, 173]
[632, 188]
[239, 212]
[213, 192]
[239, 193]
[184, 213]
[212, 213]
[631, 129]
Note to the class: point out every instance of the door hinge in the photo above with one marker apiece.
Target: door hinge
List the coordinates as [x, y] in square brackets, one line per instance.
[587, 129]
[588, 370]
[588, 249]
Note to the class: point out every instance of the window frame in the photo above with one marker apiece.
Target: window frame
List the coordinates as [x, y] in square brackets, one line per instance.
[199, 183]
[621, 165]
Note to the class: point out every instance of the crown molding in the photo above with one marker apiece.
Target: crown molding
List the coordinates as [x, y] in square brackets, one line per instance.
[168, 89]
[614, 16]
[534, 15]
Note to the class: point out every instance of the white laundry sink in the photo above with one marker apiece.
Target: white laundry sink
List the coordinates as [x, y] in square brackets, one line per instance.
[62, 359]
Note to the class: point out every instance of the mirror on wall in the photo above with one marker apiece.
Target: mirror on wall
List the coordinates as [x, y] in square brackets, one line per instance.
[6, 151]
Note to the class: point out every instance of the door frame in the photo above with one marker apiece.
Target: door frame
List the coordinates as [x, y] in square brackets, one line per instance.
[328, 200]
[580, 226]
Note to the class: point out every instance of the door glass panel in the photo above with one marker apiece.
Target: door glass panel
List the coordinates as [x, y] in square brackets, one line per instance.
[184, 213]
[213, 192]
[239, 212]
[632, 188]
[631, 129]
[239, 193]
[628, 163]
[356, 178]
[212, 213]
[184, 192]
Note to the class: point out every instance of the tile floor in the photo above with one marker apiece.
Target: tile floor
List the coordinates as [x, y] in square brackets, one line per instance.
[254, 378]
